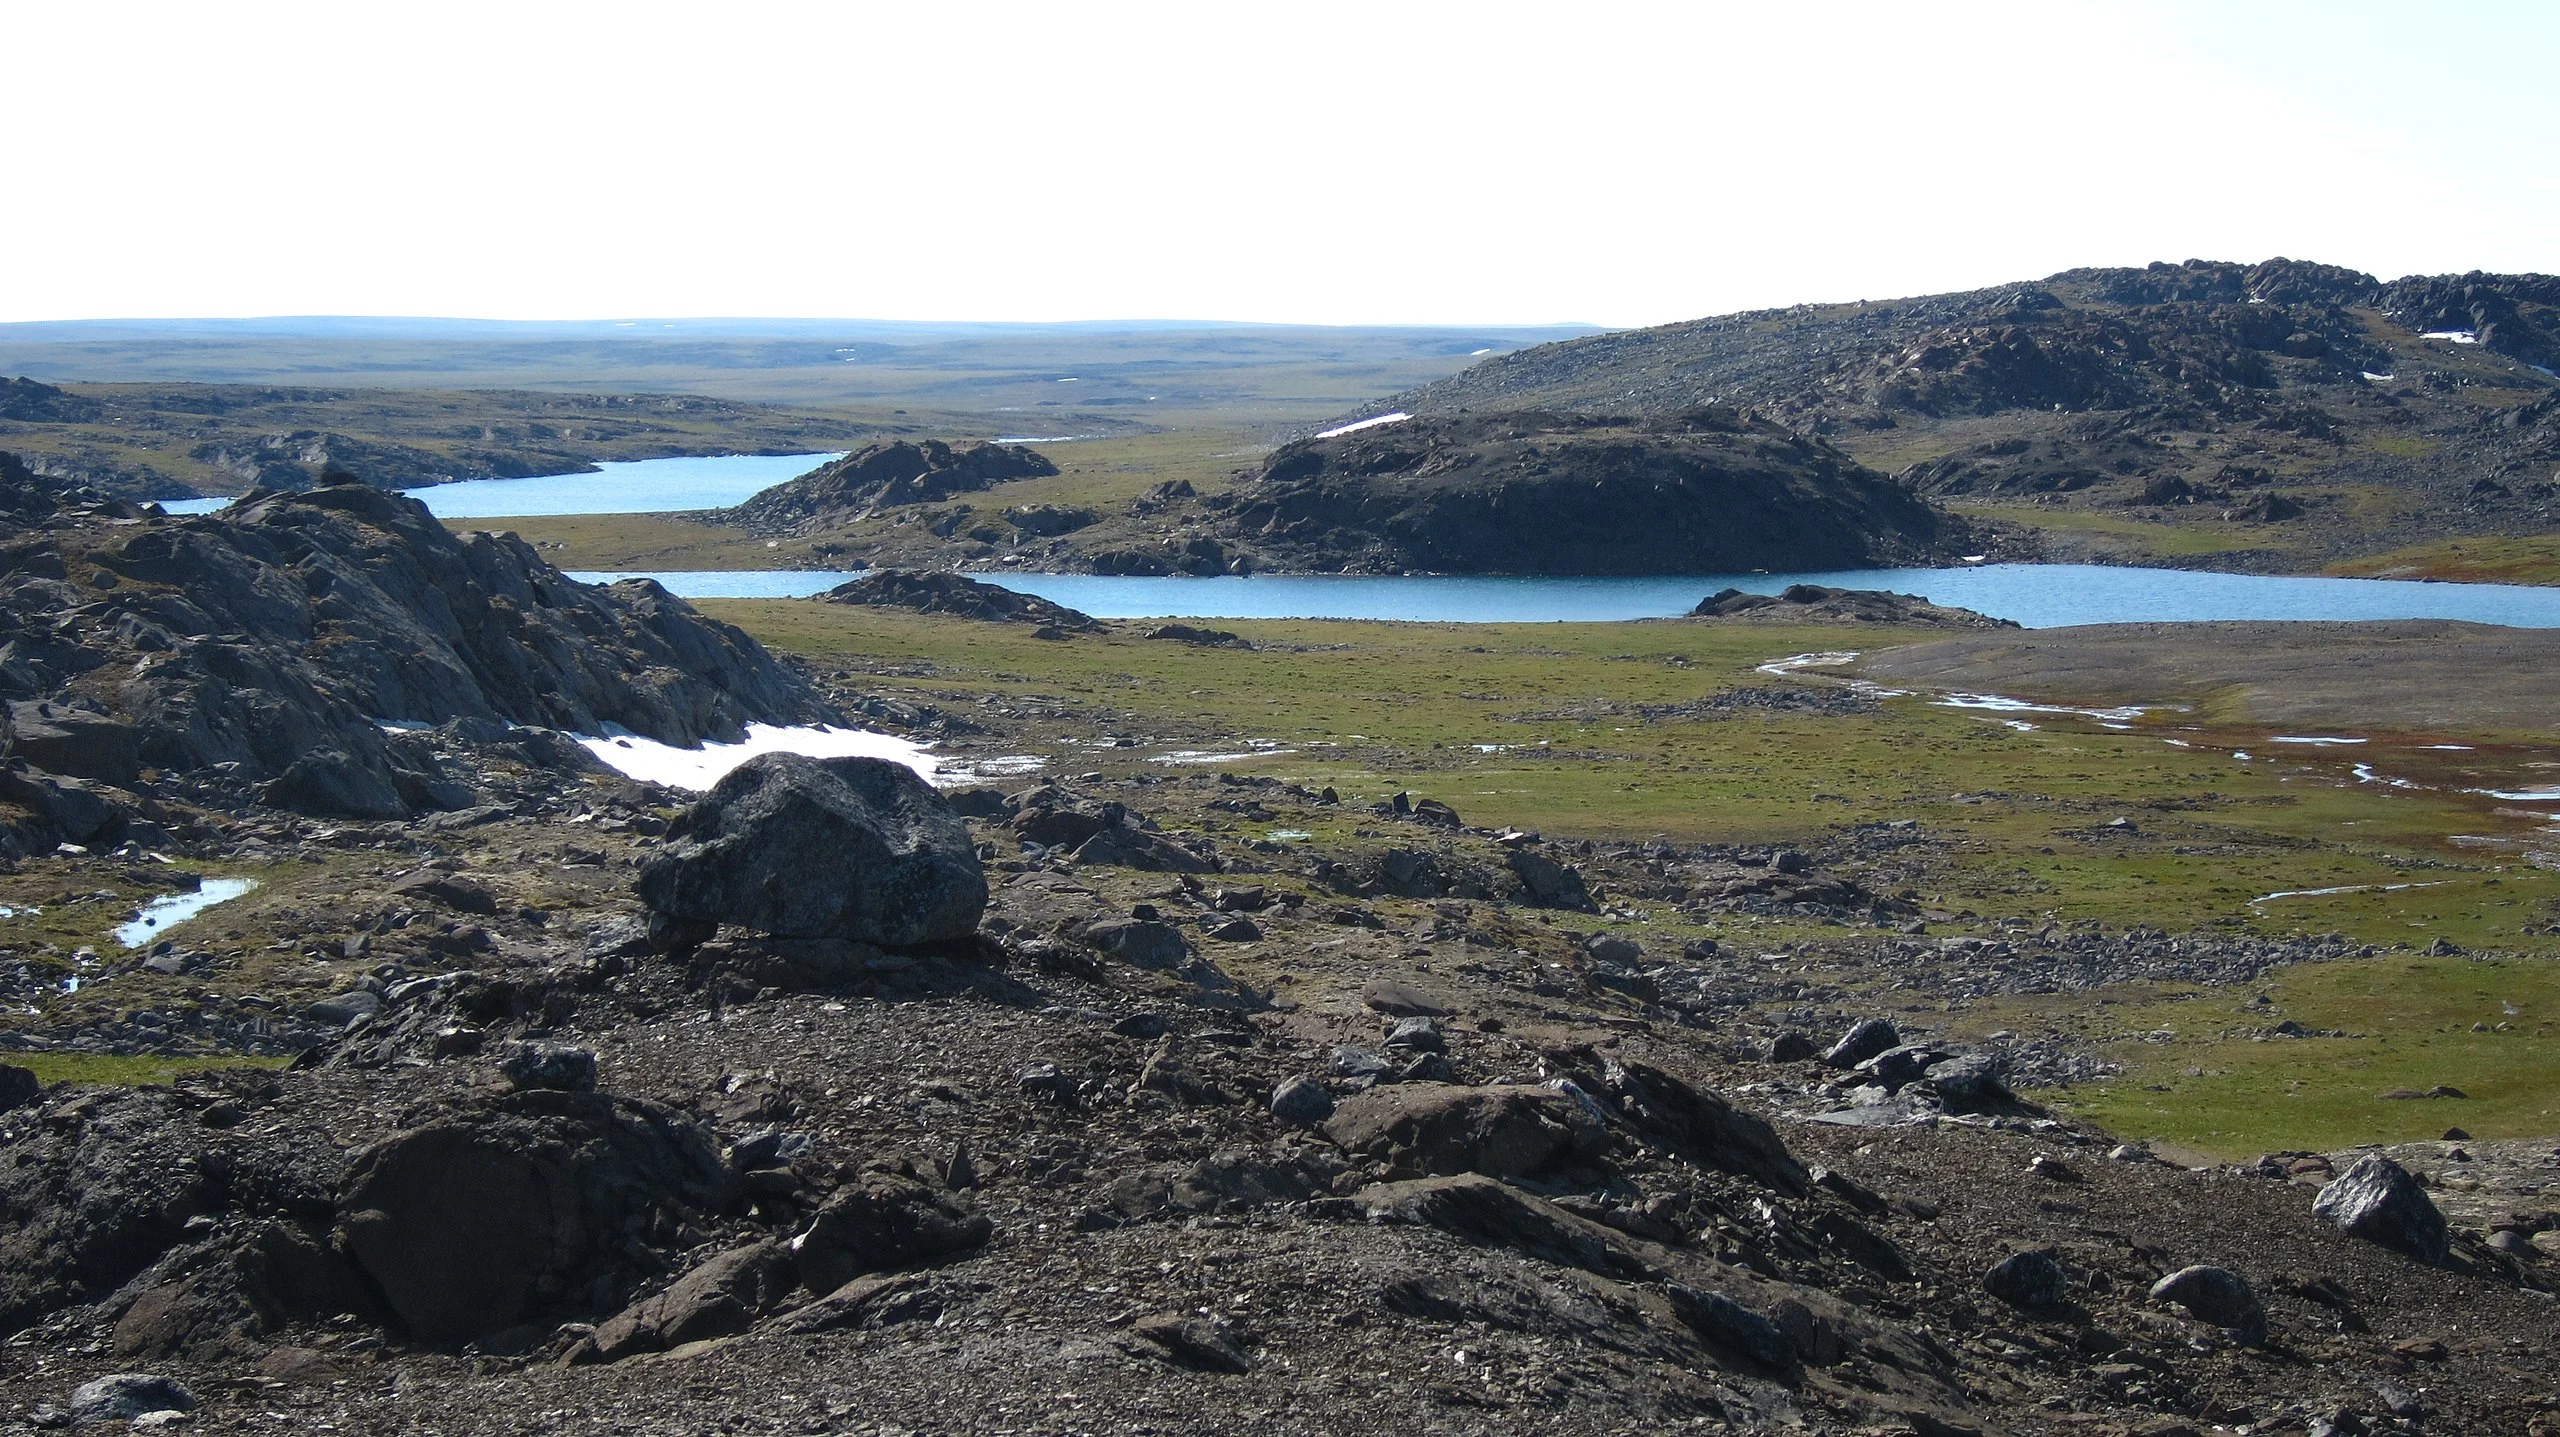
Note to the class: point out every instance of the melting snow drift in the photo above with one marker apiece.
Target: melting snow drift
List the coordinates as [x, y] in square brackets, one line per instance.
[1353, 428]
[650, 761]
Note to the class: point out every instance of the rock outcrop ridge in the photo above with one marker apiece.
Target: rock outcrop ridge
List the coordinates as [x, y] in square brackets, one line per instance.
[270, 644]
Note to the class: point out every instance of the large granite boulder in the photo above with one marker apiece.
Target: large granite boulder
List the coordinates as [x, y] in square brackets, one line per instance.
[2378, 1201]
[856, 848]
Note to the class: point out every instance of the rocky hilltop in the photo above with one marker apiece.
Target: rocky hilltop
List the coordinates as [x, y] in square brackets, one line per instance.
[882, 476]
[2248, 389]
[265, 648]
[1702, 491]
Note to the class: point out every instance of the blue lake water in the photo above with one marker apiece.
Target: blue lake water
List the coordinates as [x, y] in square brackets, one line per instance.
[641, 486]
[2035, 595]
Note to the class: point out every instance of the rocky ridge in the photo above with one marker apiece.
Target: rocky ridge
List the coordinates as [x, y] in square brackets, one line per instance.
[268, 647]
[1702, 491]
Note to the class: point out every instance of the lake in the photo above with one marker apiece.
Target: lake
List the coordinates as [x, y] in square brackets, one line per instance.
[641, 486]
[2036, 595]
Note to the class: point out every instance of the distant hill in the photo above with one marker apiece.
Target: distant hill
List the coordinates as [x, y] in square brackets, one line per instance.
[2273, 392]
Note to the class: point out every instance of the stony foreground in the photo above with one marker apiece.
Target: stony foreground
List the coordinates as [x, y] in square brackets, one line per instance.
[1167, 1151]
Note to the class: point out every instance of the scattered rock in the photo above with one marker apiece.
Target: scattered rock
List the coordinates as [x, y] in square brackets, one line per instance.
[1498, 1131]
[1301, 1100]
[1192, 1341]
[1863, 1041]
[2032, 1280]
[880, 1223]
[723, 1296]
[125, 1396]
[557, 1067]
[2216, 1295]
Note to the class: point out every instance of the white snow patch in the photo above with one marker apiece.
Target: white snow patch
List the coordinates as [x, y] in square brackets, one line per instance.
[2345, 888]
[2379, 378]
[650, 761]
[1396, 418]
[2455, 336]
[2521, 795]
[1998, 703]
[2365, 774]
[2313, 739]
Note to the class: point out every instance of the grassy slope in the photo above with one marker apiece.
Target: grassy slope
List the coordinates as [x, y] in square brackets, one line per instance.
[2533, 559]
[1373, 708]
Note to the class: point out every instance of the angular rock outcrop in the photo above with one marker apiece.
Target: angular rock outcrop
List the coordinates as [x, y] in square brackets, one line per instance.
[1442, 1130]
[1707, 491]
[278, 635]
[849, 848]
[479, 1222]
[2376, 1199]
[880, 476]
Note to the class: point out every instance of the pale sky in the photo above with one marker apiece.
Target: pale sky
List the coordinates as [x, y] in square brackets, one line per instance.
[1305, 162]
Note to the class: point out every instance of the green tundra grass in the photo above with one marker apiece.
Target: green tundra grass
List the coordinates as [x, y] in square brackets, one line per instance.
[1538, 725]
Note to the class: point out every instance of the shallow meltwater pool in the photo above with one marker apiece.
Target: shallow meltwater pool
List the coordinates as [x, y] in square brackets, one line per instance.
[171, 909]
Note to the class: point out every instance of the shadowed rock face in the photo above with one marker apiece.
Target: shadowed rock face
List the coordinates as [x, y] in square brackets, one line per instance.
[1537, 493]
[474, 1224]
[277, 634]
[880, 476]
[852, 848]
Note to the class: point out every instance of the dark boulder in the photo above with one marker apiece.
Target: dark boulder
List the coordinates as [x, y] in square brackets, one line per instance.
[1701, 1126]
[881, 1223]
[1730, 1325]
[721, 1297]
[554, 1067]
[1140, 942]
[2032, 1280]
[523, 1210]
[1549, 884]
[62, 739]
[1441, 1130]
[1863, 1041]
[854, 848]
[18, 1086]
[1201, 1343]
[127, 1395]
[2216, 1295]
[2377, 1200]
[1126, 847]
